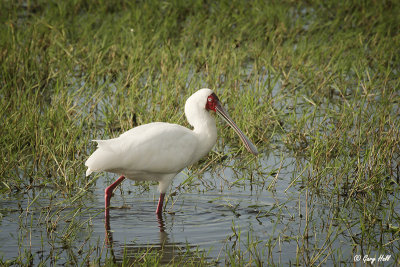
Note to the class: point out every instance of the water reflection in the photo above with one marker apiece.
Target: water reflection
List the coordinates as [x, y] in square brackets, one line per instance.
[109, 237]
[131, 251]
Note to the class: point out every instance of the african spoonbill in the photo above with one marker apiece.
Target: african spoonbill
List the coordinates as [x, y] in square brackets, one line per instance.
[158, 151]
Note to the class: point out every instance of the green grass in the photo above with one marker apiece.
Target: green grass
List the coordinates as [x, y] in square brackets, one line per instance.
[318, 80]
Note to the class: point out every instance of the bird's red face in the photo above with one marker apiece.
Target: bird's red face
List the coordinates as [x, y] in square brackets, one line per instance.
[214, 105]
[212, 102]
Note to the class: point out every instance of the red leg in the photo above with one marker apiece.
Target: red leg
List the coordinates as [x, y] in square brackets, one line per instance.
[160, 220]
[108, 193]
[160, 203]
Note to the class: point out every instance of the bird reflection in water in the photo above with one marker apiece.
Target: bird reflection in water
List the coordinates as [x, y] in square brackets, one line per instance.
[162, 245]
[109, 238]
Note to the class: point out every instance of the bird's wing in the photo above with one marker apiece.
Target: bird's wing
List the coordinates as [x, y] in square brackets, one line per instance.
[154, 148]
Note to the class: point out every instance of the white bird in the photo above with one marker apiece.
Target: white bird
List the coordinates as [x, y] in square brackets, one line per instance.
[159, 151]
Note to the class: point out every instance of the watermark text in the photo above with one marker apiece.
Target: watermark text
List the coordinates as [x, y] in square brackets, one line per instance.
[372, 260]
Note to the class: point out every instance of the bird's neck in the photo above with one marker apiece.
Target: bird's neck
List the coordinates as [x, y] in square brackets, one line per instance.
[206, 130]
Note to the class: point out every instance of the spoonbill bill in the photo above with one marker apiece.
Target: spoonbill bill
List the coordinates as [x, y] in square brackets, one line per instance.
[158, 151]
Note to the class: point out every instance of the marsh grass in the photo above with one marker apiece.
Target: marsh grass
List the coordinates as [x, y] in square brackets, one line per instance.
[317, 81]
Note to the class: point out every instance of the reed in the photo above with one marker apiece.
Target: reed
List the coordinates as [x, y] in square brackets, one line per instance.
[316, 81]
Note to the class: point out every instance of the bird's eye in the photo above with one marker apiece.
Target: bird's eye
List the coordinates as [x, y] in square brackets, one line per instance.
[209, 99]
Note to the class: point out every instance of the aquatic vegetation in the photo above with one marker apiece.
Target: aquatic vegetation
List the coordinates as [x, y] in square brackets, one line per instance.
[314, 84]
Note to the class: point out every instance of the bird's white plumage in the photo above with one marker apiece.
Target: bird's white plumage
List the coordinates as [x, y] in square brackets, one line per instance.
[158, 151]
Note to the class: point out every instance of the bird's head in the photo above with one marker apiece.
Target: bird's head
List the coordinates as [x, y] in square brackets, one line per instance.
[203, 101]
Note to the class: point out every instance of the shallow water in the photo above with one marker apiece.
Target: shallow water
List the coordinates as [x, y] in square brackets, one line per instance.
[217, 212]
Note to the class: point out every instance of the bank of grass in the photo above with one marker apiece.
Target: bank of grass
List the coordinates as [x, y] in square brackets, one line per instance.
[320, 79]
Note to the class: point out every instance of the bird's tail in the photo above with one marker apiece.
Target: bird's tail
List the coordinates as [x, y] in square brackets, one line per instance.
[100, 159]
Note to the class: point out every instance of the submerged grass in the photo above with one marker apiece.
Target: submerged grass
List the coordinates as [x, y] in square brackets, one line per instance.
[318, 80]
